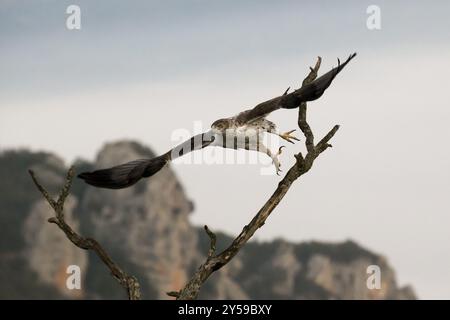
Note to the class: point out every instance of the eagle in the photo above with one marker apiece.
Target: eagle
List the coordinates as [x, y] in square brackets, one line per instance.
[242, 131]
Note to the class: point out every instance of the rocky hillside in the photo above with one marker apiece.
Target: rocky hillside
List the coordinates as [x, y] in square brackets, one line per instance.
[146, 229]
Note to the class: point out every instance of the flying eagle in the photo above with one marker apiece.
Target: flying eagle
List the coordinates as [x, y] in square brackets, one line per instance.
[242, 131]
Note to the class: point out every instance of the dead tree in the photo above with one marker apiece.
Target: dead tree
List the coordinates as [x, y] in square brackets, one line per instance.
[130, 283]
[302, 165]
[213, 261]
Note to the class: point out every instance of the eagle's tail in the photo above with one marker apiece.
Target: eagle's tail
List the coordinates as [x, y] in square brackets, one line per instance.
[315, 89]
[124, 175]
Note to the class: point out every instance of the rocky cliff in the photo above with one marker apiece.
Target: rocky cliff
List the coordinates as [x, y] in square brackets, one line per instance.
[146, 229]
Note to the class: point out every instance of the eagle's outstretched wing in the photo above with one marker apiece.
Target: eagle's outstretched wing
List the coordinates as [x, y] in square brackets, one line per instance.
[310, 92]
[129, 173]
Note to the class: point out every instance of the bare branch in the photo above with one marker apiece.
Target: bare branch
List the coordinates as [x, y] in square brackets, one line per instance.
[43, 191]
[130, 283]
[301, 166]
[64, 193]
[302, 123]
[323, 144]
[192, 288]
[312, 72]
[213, 239]
[174, 294]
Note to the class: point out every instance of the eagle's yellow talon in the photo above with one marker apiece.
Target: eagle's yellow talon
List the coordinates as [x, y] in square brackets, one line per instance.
[289, 137]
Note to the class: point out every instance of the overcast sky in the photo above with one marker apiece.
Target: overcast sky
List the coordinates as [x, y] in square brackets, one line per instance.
[141, 69]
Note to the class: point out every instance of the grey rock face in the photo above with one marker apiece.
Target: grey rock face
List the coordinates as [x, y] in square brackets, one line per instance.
[282, 270]
[146, 230]
[148, 223]
[48, 251]
[349, 281]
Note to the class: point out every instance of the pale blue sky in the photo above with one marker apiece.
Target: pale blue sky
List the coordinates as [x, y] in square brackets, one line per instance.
[385, 183]
[136, 41]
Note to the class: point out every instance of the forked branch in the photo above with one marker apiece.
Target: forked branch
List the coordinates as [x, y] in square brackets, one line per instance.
[302, 165]
[129, 283]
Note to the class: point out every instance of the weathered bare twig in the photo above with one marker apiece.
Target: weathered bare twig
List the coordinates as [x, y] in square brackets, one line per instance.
[302, 123]
[302, 165]
[130, 283]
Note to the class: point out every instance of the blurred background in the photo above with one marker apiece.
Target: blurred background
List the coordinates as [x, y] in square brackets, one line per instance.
[117, 88]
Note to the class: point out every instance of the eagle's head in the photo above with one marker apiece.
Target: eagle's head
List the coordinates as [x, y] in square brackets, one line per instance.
[220, 125]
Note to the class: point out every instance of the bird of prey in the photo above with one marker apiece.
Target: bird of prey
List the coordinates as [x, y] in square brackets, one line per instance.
[242, 131]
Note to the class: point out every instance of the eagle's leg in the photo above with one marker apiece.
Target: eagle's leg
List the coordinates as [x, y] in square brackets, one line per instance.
[276, 161]
[274, 157]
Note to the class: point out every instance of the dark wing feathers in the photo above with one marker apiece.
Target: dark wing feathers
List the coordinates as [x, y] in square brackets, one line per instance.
[123, 175]
[310, 92]
[129, 173]
[197, 142]
[315, 89]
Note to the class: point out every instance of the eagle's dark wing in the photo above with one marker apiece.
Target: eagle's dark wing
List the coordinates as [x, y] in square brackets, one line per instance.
[123, 175]
[310, 92]
[127, 174]
[197, 142]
